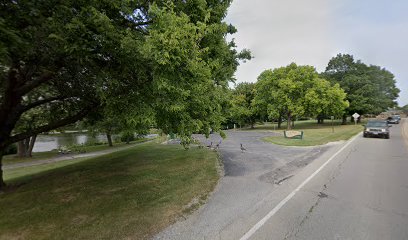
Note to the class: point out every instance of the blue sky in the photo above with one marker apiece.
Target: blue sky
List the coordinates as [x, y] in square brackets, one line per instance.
[311, 32]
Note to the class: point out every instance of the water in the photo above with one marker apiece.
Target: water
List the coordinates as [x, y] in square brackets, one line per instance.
[49, 142]
[53, 141]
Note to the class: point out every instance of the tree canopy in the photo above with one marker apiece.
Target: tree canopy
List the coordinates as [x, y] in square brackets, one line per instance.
[242, 107]
[143, 59]
[404, 109]
[297, 91]
[370, 89]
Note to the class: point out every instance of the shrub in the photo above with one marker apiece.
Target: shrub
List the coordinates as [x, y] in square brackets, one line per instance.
[127, 137]
[11, 149]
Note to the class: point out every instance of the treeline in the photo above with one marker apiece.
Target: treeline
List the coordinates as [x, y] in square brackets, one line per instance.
[287, 93]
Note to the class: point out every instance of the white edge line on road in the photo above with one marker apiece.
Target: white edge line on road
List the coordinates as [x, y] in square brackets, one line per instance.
[259, 224]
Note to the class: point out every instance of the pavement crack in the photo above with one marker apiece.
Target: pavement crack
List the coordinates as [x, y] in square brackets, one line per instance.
[323, 195]
[279, 182]
[320, 195]
[310, 212]
[339, 168]
[295, 232]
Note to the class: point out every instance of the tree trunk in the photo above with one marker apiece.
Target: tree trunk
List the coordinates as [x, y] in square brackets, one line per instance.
[109, 136]
[289, 121]
[279, 121]
[344, 121]
[2, 183]
[21, 149]
[320, 119]
[31, 146]
[26, 146]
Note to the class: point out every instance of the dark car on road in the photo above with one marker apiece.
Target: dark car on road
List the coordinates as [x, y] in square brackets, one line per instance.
[376, 128]
[393, 120]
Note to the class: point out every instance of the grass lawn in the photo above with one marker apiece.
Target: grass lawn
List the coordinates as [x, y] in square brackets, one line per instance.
[129, 194]
[13, 158]
[314, 134]
[8, 159]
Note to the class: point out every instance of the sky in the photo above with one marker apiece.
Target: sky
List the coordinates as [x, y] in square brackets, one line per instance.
[312, 32]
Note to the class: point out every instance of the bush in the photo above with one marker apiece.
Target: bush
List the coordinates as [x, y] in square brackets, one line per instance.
[81, 147]
[11, 149]
[127, 137]
[95, 143]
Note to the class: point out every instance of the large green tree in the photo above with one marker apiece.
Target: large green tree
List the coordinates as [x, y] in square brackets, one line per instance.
[166, 59]
[242, 109]
[297, 91]
[325, 99]
[370, 89]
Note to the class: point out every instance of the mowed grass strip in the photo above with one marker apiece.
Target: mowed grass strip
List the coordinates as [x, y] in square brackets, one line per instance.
[38, 156]
[131, 194]
[316, 134]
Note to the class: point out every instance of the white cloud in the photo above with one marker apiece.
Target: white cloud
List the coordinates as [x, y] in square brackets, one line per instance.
[311, 32]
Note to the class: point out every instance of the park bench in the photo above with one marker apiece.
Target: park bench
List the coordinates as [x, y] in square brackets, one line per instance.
[293, 134]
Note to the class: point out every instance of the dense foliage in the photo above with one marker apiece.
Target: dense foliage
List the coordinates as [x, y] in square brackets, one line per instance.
[242, 109]
[297, 91]
[370, 89]
[404, 109]
[146, 61]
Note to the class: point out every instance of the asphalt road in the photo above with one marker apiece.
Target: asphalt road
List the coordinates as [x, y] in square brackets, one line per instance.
[252, 181]
[347, 190]
[362, 193]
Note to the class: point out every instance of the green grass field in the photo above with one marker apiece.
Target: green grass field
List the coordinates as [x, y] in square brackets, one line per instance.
[313, 133]
[129, 194]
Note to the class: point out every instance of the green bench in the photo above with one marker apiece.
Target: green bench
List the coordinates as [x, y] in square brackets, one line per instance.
[293, 134]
